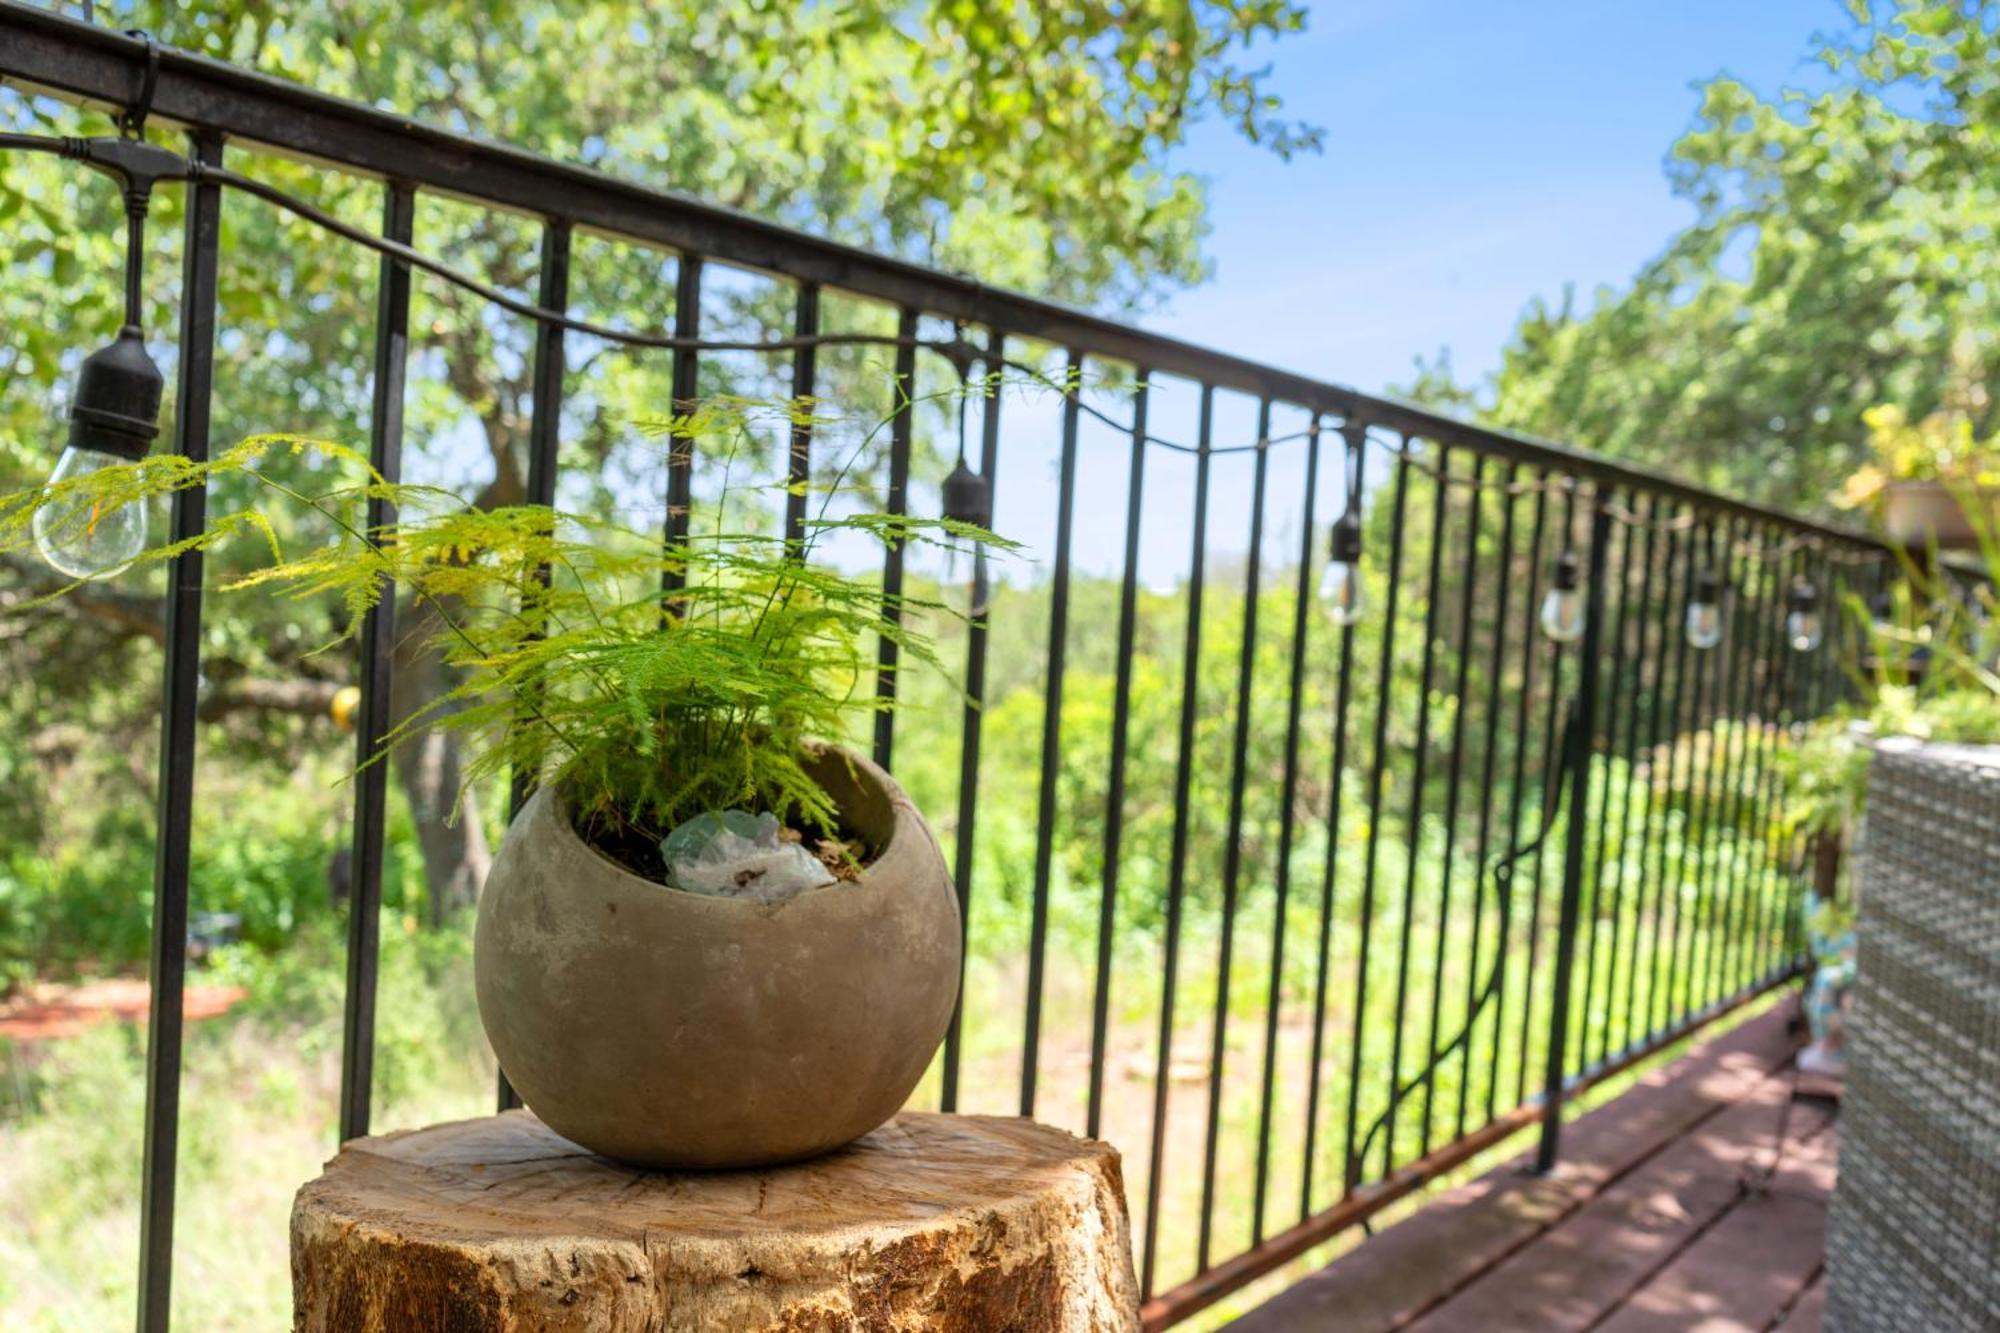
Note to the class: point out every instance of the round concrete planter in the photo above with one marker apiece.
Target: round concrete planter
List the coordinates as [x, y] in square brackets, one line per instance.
[669, 1029]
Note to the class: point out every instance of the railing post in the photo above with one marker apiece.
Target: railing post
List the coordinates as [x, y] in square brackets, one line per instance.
[376, 665]
[180, 684]
[1576, 768]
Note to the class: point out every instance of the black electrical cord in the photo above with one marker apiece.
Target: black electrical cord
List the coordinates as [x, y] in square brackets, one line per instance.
[140, 165]
[1503, 882]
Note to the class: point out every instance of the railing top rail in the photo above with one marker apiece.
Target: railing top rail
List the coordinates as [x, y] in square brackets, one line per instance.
[46, 52]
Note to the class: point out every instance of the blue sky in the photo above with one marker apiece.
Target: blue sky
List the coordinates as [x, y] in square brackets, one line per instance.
[1479, 152]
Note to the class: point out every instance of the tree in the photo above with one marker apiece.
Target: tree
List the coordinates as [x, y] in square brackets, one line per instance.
[1026, 145]
[1842, 256]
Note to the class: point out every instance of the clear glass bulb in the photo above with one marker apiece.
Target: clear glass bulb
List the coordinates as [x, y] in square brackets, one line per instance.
[1340, 591]
[1562, 615]
[1704, 624]
[82, 537]
[1804, 630]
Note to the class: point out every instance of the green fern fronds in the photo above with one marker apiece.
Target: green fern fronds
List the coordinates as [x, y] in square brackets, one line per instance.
[573, 664]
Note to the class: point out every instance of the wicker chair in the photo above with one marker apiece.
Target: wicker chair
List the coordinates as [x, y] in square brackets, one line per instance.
[1913, 1242]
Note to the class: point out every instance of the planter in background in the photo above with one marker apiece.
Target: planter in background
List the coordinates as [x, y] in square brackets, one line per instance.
[672, 1029]
[1920, 514]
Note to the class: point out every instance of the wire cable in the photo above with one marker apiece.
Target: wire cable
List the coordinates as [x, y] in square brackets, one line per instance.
[957, 350]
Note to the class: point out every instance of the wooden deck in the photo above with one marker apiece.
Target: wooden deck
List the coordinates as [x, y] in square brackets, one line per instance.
[1661, 1219]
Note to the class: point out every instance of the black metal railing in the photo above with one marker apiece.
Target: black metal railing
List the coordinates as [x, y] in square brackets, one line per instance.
[1503, 866]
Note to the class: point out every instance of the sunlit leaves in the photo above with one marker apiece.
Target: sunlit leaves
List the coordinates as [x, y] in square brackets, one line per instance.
[1842, 257]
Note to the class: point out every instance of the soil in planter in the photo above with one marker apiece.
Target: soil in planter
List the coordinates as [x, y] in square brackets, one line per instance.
[845, 858]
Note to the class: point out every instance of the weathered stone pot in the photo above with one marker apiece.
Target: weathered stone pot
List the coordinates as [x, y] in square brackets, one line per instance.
[669, 1029]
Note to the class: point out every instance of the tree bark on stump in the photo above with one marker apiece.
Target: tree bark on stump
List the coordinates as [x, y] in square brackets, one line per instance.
[932, 1222]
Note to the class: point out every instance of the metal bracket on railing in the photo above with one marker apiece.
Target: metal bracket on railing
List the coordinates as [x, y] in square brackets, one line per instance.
[132, 122]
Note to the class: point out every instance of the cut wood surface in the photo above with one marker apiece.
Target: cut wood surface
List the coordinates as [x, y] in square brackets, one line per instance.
[932, 1222]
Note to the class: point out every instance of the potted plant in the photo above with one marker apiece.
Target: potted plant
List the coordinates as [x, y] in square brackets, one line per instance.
[1934, 484]
[1933, 676]
[713, 936]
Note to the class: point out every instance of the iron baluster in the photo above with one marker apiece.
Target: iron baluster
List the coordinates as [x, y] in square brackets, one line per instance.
[970, 733]
[377, 663]
[1576, 753]
[1376, 764]
[1038, 928]
[1232, 849]
[1468, 576]
[1287, 794]
[1352, 440]
[1114, 796]
[1177, 857]
[179, 689]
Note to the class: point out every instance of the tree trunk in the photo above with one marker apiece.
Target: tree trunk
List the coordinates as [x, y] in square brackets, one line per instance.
[933, 1222]
[431, 768]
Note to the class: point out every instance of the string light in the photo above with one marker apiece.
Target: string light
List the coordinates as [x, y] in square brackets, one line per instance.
[1704, 613]
[115, 412]
[1562, 609]
[968, 497]
[1340, 584]
[1804, 628]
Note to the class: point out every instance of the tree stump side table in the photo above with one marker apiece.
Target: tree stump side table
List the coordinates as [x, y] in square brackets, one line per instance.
[932, 1222]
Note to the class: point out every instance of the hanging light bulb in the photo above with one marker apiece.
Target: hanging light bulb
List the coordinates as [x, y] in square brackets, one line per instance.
[112, 421]
[1562, 609]
[1340, 584]
[116, 410]
[1704, 614]
[1804, 629]
[968, 497]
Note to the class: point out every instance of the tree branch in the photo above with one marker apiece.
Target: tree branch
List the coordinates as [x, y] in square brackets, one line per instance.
[308, 698]
[131, 614]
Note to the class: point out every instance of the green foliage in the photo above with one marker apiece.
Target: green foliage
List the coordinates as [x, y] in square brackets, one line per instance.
[1023, 146]
[1842, 256]
[1941, 447]
[78, 900]
[1934, 674]
[258, 1111]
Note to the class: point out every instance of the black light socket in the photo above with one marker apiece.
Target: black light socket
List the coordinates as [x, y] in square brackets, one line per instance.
[116, 410]
[1346, 540]
[1566, 572]
[1707, 587]
[967, 497]
[1804, 596]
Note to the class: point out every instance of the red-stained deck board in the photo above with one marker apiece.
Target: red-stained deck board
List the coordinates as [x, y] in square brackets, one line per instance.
[1586, 1266]
[1747, 1270]
[1644, 1179]
[1809, 1314]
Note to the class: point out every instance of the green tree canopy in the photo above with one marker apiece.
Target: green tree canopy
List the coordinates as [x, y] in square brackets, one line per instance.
[1029, 146]
[1843, 255]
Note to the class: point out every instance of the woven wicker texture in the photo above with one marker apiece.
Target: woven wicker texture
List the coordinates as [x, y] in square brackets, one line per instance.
[1914, 1238]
